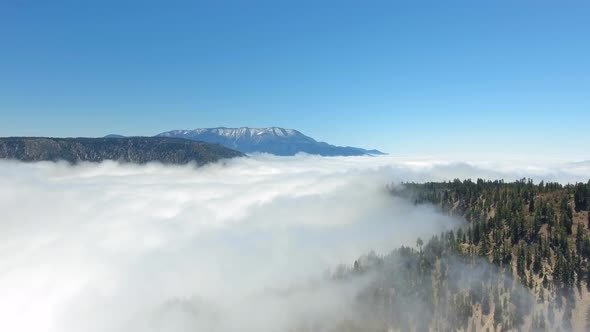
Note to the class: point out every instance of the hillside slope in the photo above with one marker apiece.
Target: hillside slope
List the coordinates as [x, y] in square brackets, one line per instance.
[534, 234]
[138, 150]
[522, 263]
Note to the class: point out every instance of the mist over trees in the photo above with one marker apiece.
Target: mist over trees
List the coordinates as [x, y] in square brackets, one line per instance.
[243, 246]
[521, 263]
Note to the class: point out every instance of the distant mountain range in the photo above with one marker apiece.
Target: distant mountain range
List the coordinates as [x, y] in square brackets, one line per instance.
[273, 140]
[138, 150]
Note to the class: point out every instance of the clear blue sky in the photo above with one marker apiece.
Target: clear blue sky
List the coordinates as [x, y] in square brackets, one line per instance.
[406, 77]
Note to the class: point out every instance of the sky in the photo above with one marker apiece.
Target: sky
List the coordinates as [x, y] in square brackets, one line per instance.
[406, 77]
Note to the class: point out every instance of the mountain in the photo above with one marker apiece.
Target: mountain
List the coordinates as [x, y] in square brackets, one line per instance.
[274, 140]
[138, 150]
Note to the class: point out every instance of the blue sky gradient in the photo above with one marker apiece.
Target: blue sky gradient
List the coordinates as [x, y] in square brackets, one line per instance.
[408, 77]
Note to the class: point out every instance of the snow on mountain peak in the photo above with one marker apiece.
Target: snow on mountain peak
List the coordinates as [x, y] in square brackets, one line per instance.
[247, 131]
[274, 140]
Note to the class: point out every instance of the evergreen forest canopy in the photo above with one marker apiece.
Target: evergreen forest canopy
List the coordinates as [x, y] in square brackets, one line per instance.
[138, 150]
[522, 262]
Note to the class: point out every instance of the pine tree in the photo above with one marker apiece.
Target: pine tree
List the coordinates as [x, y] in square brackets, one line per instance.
[581, 197]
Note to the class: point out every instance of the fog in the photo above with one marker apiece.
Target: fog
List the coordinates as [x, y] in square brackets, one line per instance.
[242, 245]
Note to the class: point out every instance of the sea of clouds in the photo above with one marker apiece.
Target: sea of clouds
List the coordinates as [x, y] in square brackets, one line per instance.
[241, 245]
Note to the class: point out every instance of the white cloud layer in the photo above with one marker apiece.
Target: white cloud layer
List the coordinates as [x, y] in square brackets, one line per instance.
[235, 247]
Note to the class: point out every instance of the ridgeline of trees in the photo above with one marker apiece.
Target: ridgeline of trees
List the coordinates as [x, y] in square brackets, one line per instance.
[139, 150]
[530, 225]
[521, 263]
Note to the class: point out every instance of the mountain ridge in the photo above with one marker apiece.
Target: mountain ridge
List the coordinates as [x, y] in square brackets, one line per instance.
[139, 150]
[273, 140]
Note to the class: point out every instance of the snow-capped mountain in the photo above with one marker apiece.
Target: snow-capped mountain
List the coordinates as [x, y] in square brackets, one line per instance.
[274, 140]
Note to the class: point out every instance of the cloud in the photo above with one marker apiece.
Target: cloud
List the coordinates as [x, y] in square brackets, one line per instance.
[240, 245]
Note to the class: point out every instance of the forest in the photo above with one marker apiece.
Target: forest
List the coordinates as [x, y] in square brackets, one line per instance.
[522, 262]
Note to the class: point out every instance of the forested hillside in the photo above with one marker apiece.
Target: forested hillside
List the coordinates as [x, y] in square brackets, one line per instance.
[521, 263]
[139, 150]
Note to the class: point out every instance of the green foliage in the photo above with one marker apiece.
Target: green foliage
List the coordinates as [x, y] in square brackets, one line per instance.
[582, 196]
[138, 150]
[532, 226]
[538, 247]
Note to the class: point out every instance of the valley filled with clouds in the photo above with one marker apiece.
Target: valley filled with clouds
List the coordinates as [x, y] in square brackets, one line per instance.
[240, 245]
